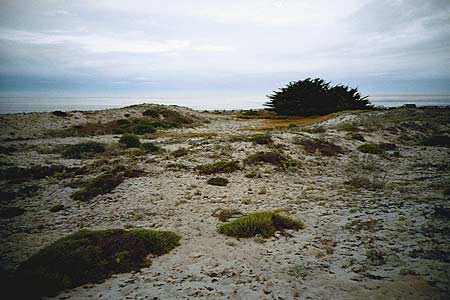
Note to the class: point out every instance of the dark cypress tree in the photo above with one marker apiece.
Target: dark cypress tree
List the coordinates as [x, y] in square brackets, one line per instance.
[315, 97]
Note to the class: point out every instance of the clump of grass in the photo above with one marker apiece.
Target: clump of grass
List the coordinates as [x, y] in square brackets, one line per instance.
[325, 148]
[99, 185]
[57, 207]
[89, 256]
[82, 150]
[437, 141]
[252, 174]
[150, 147]
[273, 158]
[180, 152]
[355, 136]
[219, 181]
[130, 141]
[11, 212]
[371, 148]
[221, 166]
[261, 139]
[264, 223]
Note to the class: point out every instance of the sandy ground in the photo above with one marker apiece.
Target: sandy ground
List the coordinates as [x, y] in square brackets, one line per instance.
[384, 242]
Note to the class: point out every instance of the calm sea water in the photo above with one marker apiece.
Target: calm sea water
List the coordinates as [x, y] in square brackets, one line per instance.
[40, 104]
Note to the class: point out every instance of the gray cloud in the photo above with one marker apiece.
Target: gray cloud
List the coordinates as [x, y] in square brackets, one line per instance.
[160, 47]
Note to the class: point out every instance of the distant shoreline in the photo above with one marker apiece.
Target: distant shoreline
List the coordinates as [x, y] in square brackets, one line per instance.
[12, 105]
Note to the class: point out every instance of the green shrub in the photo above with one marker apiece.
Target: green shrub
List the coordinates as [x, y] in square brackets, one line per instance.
[355, 136]
[35, 172]
[273, 158]
[57, 207]
[89, 256]
[261, 139]
[180, 152]
[151, 147]
[263, 223]
[313, 146]
[365, 182]
[371, 148]
[220, 166]
[130, 141]
[82, 150]
[220, 181]
[437, 141]
[99, 185]
[348, 127]
[144, 128]
[11, 212]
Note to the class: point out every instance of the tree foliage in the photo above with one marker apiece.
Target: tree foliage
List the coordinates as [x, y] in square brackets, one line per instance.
[315, 97]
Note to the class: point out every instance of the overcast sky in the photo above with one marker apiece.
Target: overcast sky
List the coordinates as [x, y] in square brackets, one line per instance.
[228, 48]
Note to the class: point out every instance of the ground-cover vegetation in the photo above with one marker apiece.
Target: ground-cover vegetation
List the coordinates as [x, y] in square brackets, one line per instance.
[82, 150]
[89, 256]
[221, 166]
[259, 223]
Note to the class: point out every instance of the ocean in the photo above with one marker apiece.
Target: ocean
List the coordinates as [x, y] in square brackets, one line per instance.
[10, 105]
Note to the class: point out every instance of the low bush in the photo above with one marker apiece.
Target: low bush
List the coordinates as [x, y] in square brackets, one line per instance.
[19, 174]
[261, 139]
[313, 146]
[355, 136]
[273, 158]
[388, 146]
[180, 152]
[89, 256]
[57, 207]
[264, 223]
[151, 147]
[99, 185]
[219, 181]
[11, 212]
[221, 166]
[371, 148]
[130, 141]
[82, 150]
[144, 128]
[437, 141]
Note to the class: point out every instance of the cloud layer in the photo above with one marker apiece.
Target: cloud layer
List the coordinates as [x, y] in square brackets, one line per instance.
[224, 47]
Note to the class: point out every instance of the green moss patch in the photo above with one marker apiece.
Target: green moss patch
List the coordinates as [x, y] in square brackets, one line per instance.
[371, 148]
[89, 256]
[355, 136]
[99, 185]
[273, 158]
[221, 166]
[130, 141]
[264, 223]
[11, 212]
[219, 181]
[437, 141]
[82, 150]
[150, 147]
[261, 139]
[325, 148]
